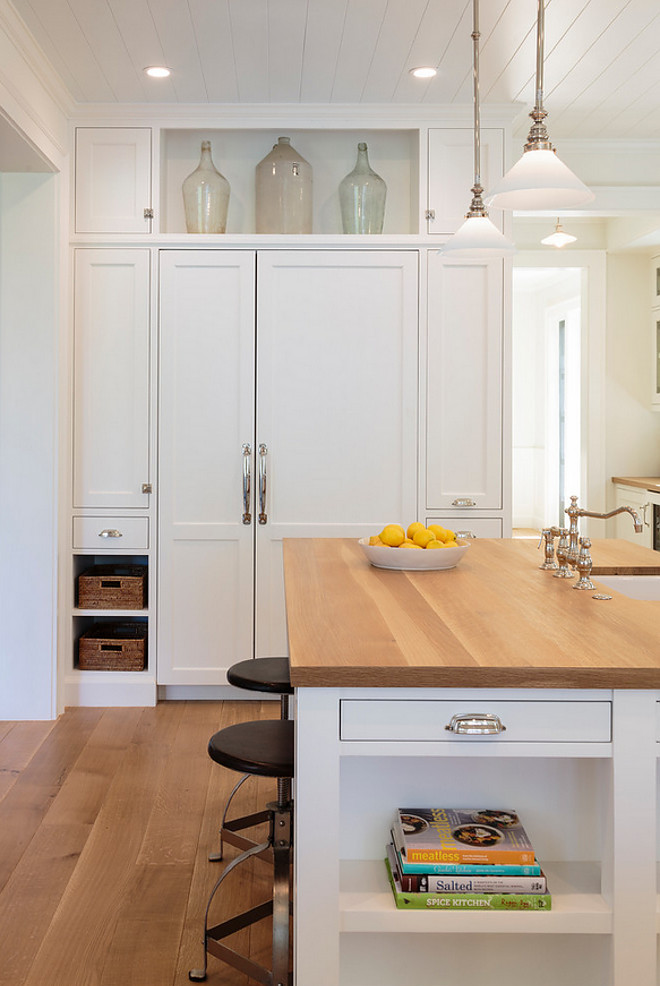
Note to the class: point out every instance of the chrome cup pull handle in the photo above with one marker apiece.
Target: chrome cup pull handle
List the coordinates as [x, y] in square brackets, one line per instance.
[463, 501]
[263, 452]
[465, 535]
[475, 723]
[247, 481]
[110, 533]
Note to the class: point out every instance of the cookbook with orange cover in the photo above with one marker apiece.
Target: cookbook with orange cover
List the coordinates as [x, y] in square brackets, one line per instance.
[462, 835]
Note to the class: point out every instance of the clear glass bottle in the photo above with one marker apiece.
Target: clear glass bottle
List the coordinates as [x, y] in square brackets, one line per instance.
[362, 196]
[283, 191]
[206, 196]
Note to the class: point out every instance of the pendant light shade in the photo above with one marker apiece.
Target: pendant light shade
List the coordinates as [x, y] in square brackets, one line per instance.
[478, 236]
[539, 180]
[559, 238]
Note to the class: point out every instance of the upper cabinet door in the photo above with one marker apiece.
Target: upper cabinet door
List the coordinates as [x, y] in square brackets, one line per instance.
[464, 392]
[451, 174]
[113, 180]
[111, 378]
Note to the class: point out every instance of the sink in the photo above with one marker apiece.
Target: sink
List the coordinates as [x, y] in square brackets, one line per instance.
[633, 586]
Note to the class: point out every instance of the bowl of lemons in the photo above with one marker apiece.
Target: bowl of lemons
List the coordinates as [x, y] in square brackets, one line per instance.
[415, 549]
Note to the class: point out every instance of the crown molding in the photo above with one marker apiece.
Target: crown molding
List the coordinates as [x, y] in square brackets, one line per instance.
[44, 74]
[308, 115]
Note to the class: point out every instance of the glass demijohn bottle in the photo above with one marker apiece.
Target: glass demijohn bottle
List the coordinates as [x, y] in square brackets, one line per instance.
[283, 191]
[206, 196]
[362, 196]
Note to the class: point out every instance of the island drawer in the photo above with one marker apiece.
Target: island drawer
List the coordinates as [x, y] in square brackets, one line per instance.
[424, 720]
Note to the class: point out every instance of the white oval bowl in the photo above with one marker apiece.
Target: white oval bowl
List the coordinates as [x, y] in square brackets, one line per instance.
[413, 560]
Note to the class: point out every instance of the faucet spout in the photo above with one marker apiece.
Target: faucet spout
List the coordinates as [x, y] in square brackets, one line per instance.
[619, 510]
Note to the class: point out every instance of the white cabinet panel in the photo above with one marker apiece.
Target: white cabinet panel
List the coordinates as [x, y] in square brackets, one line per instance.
[336, 404]
[113, 179]
[206, 416]
[464, 385]
[451, 174]
[111, 378]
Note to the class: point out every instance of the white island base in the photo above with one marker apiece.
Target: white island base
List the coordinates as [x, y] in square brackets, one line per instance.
[580, 768]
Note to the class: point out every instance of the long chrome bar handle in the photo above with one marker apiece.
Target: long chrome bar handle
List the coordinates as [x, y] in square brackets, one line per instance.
[247, 482]
[263, 452]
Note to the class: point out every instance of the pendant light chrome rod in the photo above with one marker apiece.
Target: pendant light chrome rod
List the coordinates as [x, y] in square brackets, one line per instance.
[538, 138]
[477, 207]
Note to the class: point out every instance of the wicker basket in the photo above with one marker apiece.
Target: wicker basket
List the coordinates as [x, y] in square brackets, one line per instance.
[113, 647]
[113, 587]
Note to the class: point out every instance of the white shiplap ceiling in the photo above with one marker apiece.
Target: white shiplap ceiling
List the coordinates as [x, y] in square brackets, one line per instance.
[602, 66]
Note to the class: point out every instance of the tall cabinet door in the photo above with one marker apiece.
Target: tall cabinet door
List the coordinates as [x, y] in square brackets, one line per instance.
[464, 385]
[111, 419]
[206, 400]
[336, 436]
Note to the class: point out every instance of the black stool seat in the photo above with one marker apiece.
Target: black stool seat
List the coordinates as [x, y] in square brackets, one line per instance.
[262, 674]
[264, 747]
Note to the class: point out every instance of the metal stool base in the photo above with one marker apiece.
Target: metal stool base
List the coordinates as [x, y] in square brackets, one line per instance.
[278, 845]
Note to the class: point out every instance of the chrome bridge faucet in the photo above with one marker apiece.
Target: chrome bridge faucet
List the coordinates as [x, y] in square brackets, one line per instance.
[573, 552]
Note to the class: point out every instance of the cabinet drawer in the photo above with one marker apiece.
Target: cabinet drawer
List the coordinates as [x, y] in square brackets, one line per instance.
[476, 527]
[425, 720]
[111, 533]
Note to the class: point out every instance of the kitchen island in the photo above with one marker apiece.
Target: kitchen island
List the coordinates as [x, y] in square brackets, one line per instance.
[381, 661]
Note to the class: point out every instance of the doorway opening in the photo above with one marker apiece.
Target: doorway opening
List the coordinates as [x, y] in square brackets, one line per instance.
[548, 408]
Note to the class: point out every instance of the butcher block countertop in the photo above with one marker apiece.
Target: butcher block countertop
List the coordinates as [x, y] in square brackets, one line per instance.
[650, 483]
[494, 621]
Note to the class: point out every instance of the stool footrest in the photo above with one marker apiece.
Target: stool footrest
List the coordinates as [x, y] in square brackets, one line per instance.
[245, 821]
[233, 958]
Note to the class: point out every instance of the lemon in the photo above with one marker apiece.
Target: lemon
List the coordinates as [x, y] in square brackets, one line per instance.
[423, 537]
[411, 544]
[451, 544]
[392, 535]
[415, 526]
[375, 540]
[436, 544]
[406, 541]
[442, 533]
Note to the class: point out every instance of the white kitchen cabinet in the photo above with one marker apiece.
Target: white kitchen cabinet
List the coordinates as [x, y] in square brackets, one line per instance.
[111, 453]
[111, 359]
[576, 766]
[331, 449]
[465, 439]
[113, 180]
[451, 174]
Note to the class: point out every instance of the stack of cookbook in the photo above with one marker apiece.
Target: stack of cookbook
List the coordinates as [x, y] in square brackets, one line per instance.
[464, 858]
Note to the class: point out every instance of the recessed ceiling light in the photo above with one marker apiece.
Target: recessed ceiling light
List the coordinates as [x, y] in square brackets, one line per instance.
[157, 71]
[423, 72]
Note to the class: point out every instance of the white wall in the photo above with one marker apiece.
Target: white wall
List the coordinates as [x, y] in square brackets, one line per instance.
[29, 300]
[632, 428]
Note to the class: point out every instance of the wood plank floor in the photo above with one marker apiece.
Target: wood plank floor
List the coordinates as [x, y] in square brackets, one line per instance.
[106, 820]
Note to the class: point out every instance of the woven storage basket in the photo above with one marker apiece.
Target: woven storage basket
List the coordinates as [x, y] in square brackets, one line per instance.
[113, 587]
[113, 647]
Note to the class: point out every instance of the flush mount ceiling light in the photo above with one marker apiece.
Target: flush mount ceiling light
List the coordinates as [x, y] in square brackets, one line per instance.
[478, 236]
[559, 238]
[539, 180]
[157, 71]
[423, 72]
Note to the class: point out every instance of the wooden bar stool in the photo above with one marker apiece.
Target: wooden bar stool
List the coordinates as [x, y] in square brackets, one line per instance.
[262, 748]
[261, 674]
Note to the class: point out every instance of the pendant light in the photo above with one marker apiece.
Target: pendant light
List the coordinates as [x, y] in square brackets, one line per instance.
[539, 180]
[559, 238]
[478, 236]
